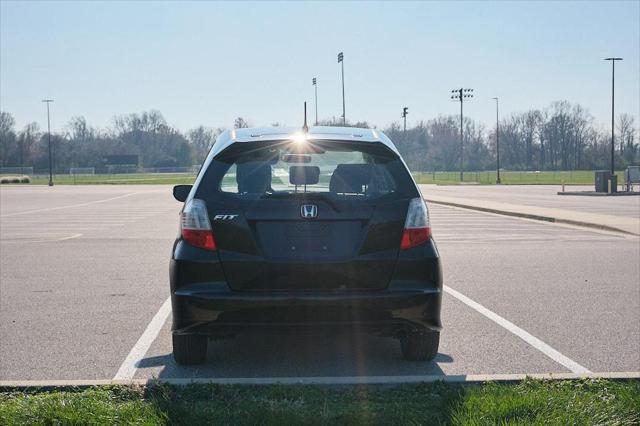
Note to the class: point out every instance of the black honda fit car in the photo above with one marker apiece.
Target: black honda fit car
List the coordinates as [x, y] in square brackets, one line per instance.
[299, 230]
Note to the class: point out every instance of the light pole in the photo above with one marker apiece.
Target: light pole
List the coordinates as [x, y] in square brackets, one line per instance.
[460, 95]
[315, 86]
[405, 111]
[613, 86]
[341, 61]
[497, 145]
[48, 101]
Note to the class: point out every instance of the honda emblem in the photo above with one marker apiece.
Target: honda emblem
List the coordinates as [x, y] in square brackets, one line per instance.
[309, 211]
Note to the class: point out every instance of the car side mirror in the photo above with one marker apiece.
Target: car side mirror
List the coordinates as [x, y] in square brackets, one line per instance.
[181, 192]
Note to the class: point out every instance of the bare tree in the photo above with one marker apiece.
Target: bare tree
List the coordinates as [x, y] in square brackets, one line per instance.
[79, 130]
[7, 137]
[627, 138]
[240, 123]
[27, 137]
[532, 123]
[151, 121]
[202, 139]
[338, 122]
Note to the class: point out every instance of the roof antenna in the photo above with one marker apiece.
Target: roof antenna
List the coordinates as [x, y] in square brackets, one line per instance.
[305, 128]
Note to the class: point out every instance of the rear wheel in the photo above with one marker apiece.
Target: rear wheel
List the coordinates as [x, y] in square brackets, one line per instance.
[419, 345]
[189, 349]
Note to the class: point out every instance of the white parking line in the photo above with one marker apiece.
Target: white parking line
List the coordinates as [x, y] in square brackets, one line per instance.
[128, 368]
[71, 206]
[21, 239]
[70, 237]
[561, 359]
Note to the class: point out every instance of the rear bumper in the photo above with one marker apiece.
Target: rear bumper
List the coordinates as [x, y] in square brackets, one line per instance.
[203, 303]
[213, 309]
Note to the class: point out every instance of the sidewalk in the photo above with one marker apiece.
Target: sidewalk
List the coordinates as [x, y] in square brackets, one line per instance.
[541, 203]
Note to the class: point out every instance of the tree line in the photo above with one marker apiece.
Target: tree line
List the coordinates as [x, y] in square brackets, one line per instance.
[563, 136]
[146, 135]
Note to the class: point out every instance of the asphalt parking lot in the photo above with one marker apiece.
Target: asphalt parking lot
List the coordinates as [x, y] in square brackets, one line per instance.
[84, 279]
[542, 196]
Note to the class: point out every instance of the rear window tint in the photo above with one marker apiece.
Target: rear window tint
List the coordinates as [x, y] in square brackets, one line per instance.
[337, 169]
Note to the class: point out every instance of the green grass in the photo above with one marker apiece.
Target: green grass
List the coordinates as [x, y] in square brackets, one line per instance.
[528, 402]
[119, 179]
[578, 177]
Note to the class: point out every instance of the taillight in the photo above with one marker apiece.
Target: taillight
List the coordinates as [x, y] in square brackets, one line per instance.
[416, 227]
[195, 226]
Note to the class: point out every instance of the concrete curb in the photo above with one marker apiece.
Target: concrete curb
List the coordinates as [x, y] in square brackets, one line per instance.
[599, 194]
[6, 385]
[533, 216]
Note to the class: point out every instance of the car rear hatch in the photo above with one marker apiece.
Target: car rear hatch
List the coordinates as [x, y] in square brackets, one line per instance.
[347, 246]
[306, 241]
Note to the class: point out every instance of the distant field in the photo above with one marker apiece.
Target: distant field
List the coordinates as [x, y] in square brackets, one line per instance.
[580, 177]
[118, 179]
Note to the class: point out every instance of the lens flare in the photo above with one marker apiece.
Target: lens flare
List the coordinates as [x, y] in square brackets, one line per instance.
[299, 138]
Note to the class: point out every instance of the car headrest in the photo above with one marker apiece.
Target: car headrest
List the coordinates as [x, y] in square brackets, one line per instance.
[304, 175]
[350, 178]
[253, 177]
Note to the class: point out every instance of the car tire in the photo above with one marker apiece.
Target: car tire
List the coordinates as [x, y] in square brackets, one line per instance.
[419, 345]
[189, 349]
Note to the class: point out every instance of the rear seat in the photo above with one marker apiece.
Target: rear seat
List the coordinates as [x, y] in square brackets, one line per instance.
[253, 178]
[350, 178]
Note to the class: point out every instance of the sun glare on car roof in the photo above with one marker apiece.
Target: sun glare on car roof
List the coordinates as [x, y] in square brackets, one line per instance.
[299, 138]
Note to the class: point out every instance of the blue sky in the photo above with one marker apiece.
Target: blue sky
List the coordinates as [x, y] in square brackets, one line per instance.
[207, 63]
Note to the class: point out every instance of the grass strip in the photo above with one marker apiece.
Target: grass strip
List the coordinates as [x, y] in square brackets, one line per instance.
[119, 179]
[529, 402]
[509, 177]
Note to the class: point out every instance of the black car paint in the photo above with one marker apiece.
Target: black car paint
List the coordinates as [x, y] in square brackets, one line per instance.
[253, 279]
[203, 302]
[269, 247]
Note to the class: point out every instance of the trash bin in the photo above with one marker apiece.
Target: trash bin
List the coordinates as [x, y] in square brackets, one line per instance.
[602, 180]
[614, 183]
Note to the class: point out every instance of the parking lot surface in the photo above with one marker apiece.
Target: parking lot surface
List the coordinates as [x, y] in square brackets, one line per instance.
[84, 270]
[541, 196]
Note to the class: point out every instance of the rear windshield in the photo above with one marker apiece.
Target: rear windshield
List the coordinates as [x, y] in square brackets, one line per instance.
[282, 169]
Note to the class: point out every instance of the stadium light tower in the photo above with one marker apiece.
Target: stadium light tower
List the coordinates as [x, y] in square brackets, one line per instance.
[314, 81]
[613, 86]
[405, 111]
[460, 95]
[48, 101]
[497, 145]
[341, 61]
